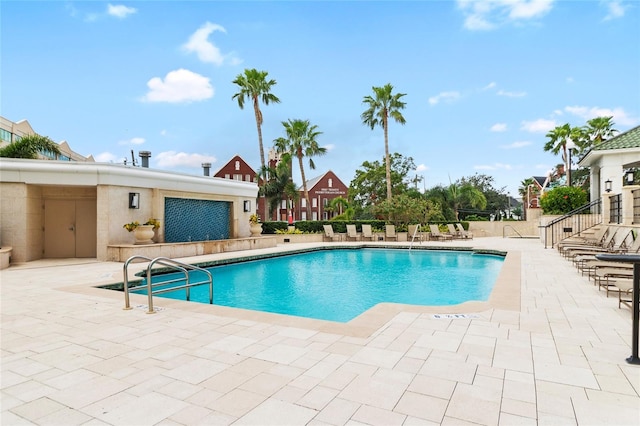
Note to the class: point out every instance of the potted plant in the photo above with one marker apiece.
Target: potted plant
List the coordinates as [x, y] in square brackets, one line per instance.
[254, 225]
[155, 223]
[142, 233]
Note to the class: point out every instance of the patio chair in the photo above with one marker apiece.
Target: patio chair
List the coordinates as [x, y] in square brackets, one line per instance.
[367, 232]
[464, 233]
[352, 233]
[329, 235]
[414, 233]
[390, 232]
[435, 233]
[453, 231]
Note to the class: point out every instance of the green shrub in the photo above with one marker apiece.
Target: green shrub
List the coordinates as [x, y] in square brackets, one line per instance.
[562, 199]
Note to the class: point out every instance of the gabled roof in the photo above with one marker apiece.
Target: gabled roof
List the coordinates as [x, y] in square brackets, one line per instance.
[313, 182]
[628, 139]
[540, 180]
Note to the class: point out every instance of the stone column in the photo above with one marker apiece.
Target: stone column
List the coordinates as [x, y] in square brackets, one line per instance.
[627, 203]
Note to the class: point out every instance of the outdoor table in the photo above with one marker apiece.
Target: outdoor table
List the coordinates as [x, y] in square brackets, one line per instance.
[635, 259]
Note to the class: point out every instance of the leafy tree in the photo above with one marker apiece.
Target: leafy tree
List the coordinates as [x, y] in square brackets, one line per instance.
[255, 87]
[598, 130]
[466, 193]
[368, 187]
[29, 146]
[560, 136]
[278, 185]
[495, 197]
[402, 209]
[381, 106]
[301, 141]
[562, 199]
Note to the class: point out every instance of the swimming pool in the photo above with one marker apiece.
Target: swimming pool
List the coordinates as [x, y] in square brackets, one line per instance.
[340, 284]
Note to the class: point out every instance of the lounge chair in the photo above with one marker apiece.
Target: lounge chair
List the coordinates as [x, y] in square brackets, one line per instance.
[435, 233]
[329, 235]
[390, 232]
[604, 245]
[464, 233]
[414, 233]
[352, 233]
[453, 232]
[367, 232]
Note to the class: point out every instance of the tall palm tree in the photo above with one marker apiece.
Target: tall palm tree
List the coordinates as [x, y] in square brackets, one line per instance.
[381, 106]
[278, 185]
[599, 129]
[301, 141]
[255, 87]
[29, 147]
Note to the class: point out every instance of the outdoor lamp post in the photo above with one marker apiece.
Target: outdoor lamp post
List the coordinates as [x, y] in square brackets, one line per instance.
[629, 177]
[570, 146]
[607, 185]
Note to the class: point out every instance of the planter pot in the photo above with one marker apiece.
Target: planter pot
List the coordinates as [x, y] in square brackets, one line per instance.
[255, 228]
[144, 234]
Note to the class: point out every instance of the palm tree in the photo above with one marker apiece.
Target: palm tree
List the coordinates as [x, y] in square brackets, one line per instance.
[466, 193]
[278, 185]
[383, 105]
[29, 146]
[254, 86]
[301, 141]
[598, 130]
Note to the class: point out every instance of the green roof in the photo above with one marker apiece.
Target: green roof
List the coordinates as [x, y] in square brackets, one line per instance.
[628, 139]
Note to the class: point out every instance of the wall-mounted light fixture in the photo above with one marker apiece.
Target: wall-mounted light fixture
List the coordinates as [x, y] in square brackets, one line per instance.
[134, 200]
[607, 185]
[247, 205]
[629, 177]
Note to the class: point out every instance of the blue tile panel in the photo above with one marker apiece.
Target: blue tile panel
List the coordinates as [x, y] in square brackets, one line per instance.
[196, 220]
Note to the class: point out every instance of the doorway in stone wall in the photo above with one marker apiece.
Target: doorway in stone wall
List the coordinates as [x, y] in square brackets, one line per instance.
[69, 228]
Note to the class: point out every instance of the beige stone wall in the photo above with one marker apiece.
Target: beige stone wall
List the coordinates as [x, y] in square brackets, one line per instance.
[13, 222]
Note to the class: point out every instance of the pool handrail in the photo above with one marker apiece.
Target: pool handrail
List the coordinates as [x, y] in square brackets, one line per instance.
[171, 263]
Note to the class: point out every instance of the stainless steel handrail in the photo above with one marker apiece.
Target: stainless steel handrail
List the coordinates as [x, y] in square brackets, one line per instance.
[179, 266]
[514, 230]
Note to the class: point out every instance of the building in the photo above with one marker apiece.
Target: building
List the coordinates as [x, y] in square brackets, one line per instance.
[322, 190]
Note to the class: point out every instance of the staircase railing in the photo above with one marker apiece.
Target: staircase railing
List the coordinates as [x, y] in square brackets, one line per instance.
[573, 223]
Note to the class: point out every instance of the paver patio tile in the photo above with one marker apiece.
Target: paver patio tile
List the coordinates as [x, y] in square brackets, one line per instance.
[377, 357]
[283, 354]
[29, 390]
[237, 402]
[422, 406]
[66, 417]
[146, 409]
[376, 416]
[441, 340]
[265, 384]
[507, 419]
[432, 386]
[196, 371]
[277, 412]
[592, 412]
[190, 415]
[337, 412]
[318, 398]
[485, 403]
[567, 375]
[36, 409]
[89, 391]
[450, 369]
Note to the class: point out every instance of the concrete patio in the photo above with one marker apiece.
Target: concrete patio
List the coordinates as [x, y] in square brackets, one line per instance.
[71, 355]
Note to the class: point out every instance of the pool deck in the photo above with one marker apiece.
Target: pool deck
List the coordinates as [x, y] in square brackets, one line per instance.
[551, 352]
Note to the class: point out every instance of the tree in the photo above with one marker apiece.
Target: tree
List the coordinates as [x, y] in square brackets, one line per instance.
[255, 87]
[381, 106]
[278, 185]
[402, 209]
[301, 141]
[468, 193]
[29, 146]
[560, 136]
[484, 183]
[368, 187]
[598, 130]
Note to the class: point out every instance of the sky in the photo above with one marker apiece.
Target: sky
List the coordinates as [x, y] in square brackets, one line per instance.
[484, 81]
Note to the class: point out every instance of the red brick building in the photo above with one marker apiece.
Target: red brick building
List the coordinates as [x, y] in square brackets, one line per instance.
[322, 190]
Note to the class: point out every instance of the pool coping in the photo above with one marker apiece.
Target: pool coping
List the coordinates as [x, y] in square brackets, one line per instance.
[504, 296]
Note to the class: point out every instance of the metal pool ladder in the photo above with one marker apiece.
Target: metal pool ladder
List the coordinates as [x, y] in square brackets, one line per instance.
[172, 264]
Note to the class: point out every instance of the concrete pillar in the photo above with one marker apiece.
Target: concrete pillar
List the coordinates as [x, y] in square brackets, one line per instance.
[627, 203]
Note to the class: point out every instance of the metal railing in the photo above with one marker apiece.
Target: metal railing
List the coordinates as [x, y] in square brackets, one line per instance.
[573, 223]
[504, 228]
[184, 268]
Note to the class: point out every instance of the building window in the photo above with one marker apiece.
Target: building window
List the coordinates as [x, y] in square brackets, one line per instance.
[237, 165]
[303, 203]
[247, 178]
[5, 135]
[325, 202]
[314, 215]
[283, 204]
[314, 202]
[237, 177]
[330, 183]
[303, 215]
[227, 176]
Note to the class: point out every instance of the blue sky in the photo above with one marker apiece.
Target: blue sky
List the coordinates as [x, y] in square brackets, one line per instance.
[484, 80]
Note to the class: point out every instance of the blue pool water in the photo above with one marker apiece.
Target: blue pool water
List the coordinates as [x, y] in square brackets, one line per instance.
[338, 285]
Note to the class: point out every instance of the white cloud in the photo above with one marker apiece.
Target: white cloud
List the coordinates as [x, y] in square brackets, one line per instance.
[499, 127]
[120, 11]
[569, 80]
[511, 94]
[490, 86]
[208, 52]
[489, 14]
[422, 168]
[106, 157]
[619, 115]
[172, 159]
[495, 166]
[179, 86]
[329, 147]
[538, 126]
[615, 8]
[132, 141]
[515, 145]
[445, 97]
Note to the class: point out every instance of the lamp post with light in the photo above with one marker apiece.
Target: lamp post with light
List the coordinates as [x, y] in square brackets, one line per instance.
[570, 145]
